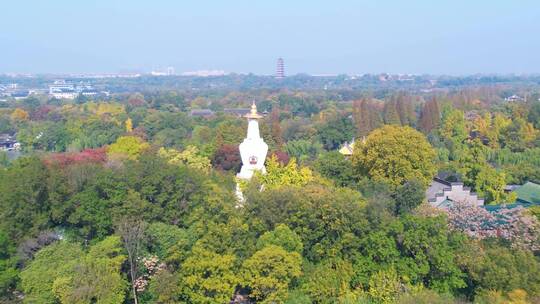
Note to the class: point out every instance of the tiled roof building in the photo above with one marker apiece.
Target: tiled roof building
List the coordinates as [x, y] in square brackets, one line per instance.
[442, 193]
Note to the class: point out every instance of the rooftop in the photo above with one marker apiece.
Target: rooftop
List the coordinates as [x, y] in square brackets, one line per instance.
[528, 193]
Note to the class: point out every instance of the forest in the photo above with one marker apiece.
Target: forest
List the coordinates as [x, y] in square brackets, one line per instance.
[132, 199]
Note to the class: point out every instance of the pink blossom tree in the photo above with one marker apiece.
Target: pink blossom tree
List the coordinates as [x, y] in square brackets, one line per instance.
[512, 224]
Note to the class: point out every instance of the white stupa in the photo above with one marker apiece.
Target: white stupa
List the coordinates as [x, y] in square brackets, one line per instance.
[253, 149]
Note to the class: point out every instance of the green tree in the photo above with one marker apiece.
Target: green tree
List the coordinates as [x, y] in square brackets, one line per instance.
[328, 220]
[283, 237]
[409, 195]
[23, 204]
[334, 132]
[166, 128]
[165, 239]
[93, 133]
[534, 114]
[519, 135]
[328, 280]
[298, 297]
[490, 185]
[303, 149]
[96, 278]
[385, 286]
[128, 146]
[269, 272]
[164, 287]
[336, 167]
[426, 296]
[52, 262]
[52, 137]
[208, 277]
[434, 265]
[394, 155]
[8, 263]
[453, 127]
[504, 269]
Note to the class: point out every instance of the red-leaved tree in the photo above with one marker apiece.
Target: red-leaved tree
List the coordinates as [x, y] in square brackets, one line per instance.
[96, 156]
[227, 157]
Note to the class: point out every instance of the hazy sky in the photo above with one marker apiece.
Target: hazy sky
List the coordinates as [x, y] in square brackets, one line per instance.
[319, 37]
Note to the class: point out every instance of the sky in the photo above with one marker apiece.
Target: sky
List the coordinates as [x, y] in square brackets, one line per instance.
[454, 37]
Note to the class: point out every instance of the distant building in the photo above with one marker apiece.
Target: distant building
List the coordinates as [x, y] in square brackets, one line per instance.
[20, 94]
[206, 113]
[442, 194]
[61, 89]
[89, 92]
[514, 98]
[14, 91]
[60, 85]
[240, 112]
[205, 73]
[280, 69]
[168, 71]
[347, 149]
[64, 94]
[158, 73]
[9, 143]
[384, 77]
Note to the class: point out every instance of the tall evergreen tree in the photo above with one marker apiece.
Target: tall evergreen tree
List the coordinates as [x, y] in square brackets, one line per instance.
[391, 116]
[375, 117]
[366, 117]
[430, 117]
[405, 110]
[275, 127]
[401, 102]
[361, 117]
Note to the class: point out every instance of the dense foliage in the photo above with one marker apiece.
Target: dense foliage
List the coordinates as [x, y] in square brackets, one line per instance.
[133, 200]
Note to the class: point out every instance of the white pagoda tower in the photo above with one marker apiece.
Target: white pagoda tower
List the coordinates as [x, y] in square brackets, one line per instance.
[253, 149]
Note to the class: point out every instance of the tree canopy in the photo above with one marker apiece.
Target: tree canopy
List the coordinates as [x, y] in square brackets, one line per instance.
[394, 155]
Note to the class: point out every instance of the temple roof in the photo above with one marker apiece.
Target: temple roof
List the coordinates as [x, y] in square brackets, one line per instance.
[528, 193]
[347, 149]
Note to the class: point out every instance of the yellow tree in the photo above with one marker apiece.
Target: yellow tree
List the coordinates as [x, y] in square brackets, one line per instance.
[453, 127]
[129, 125]
[208, 277]
[284, 175]
[190, 157]
[498, 124]
[269, 272]
[490, 127]
[394, 155]
[127, 146]
[19, 115]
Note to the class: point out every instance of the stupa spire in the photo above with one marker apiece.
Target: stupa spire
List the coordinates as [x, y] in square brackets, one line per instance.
[253, 149]
[253, 114]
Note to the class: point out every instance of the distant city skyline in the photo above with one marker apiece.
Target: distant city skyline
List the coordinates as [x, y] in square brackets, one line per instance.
[314, 37]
